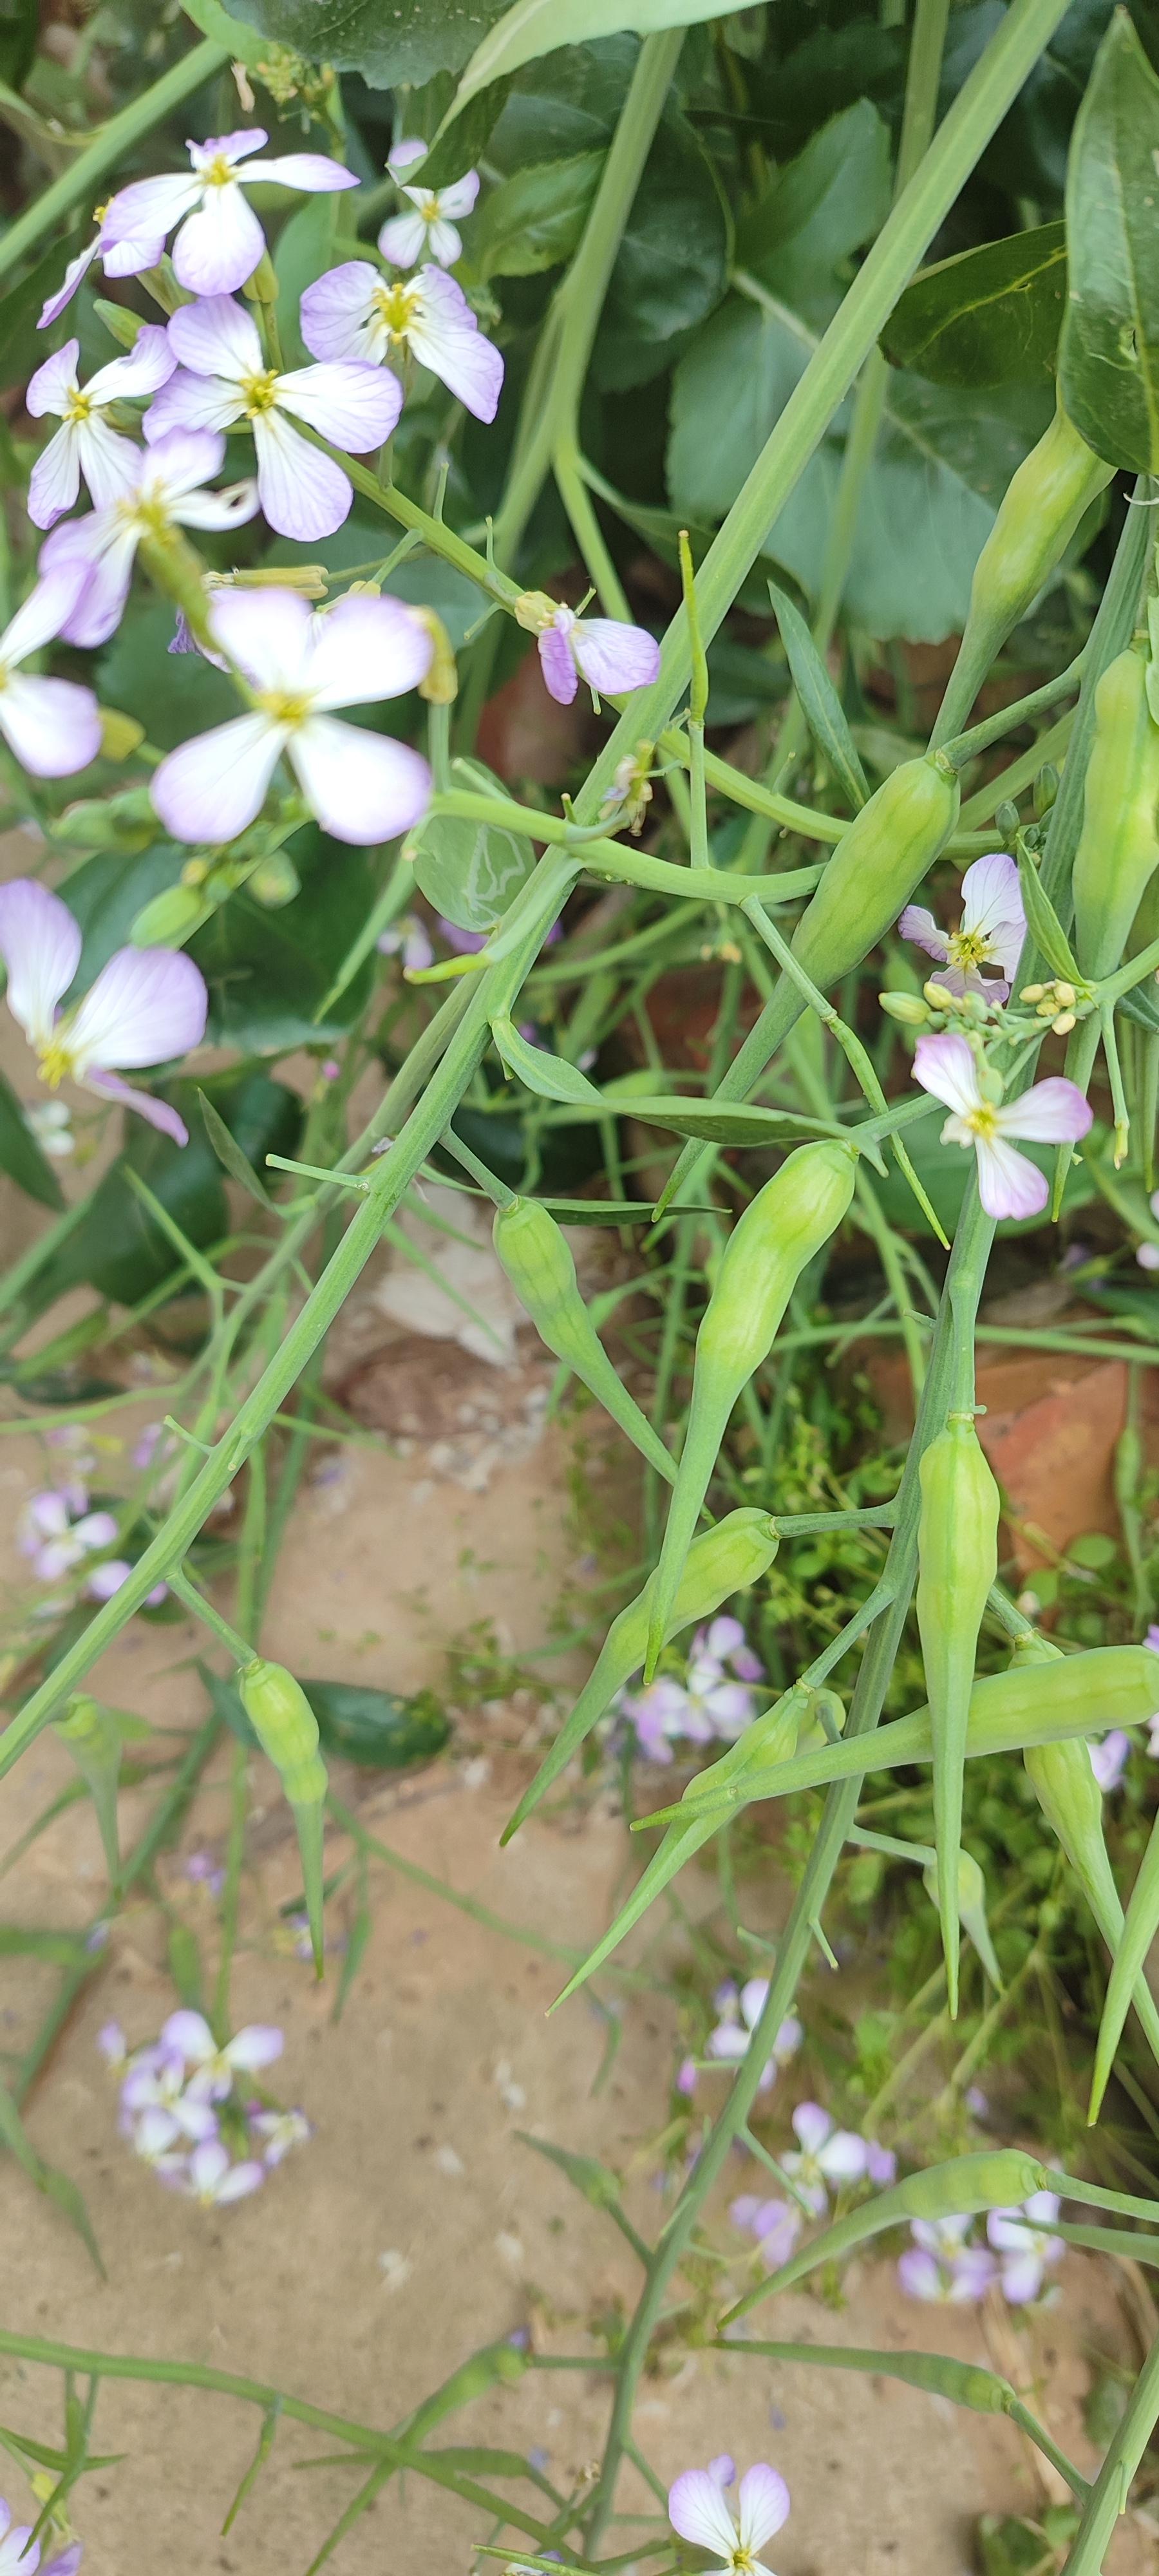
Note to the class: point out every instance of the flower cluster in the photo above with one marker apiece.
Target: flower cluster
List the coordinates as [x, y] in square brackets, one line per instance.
[944, 2265]
[713, 1703]
[185, 2112]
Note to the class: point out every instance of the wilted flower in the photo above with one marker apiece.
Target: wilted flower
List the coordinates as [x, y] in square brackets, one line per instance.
[52, 726]
[363, 787]
[353, 312]
[431, 232]
[223, 378]
[220, 240]
[1024, 2239]
[1055, 1111]
[697, 2510]
[86, 443]
[100, 550]
[992, 930]
[611, 657]
[146, 1006]
[828, 2157]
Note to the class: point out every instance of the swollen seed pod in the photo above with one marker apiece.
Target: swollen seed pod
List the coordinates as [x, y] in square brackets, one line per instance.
[1037, 517]
[727, 1559]
[1118, 849]
[1072, 1802]
[783, 1227]
[537, 1258]
[287, 1730]
[877, 864]
[997, 2179]
[957, 1562]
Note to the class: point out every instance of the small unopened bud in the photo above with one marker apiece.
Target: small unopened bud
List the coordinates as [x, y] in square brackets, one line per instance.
[1006, 819]
[1065, 995]
[1045, 789]
[1064, 1024]
[440, 685]
[195, 872]
[909, 1008]
[1032, 992]
[275, 882]
[938, 996]
[120, 735]
[534, 611]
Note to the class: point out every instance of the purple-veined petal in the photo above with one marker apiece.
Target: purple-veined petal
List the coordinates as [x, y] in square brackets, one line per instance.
[812, 2125]
[728, 2040]
[210, 788]
[843, 2157]
[723, 2469]
[131, 257]
[148, 208]
[180, 463]
[187, 401]
[335, 310]
[723, 1637]
[970, 2275]
[208, 2165]
[558, 668]
[1009, 1184]
[363, 787]
[67, 2563]
[363, 649]
[1007, 2229]
[216, 337]
[459, 198]
[403, 154]
[19, 2553]
[944, 1065]
[142, 370]
[1054, 1112]
[50, 387]
[97, 554]
[1109, 1759]
[109, 463]
[303, 493]
[54, 482]
[220, 244]
[228, 509]
[244, 141]
[240, 2181]
[1021, 2279]
[45, 612]
[187, 2034]
[612, 657]
[444, 242]
[313, 171]
[255, 2046]
[268, 633]
[40, 944]
[763, 2505]
[992, 905]
[920, 2275]
[445, 336]
[1043, 2207]
[697, 2510]
[730, 1706]
[156, 2129]
[346, 400]
[403, 240]
[920, 928]
[157, 1113]
[77, 268]
[147, 1006]
[53, 726]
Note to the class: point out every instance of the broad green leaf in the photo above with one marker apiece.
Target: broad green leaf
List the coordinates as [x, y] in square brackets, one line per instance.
[824, 713]
[470, 872]
[550, 1076]
[723, 1122]
[536, 27]
[1109, 361]
[410, 41]
[534, 219]
[818, 210]
[986, 316]
[229, 1153]
[1044, 925]
[376, 1727]
[269, 972]
[20, 1155]
[566, 104]
[671, 268]
[173, 695]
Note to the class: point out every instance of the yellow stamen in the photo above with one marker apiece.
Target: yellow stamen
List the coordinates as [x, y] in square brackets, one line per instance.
[56, 1060]
[982, 1122]
[218, 172]
[397, 305]
[77, 406]
[968, 949]
[260, 392]
[283, 707]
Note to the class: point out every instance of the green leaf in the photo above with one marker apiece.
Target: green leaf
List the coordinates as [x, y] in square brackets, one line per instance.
[534, 219]
[535, 27]
[671, 268]
[470, 872]
[1044, 925]
[823, 711]
[173, 695]
[408, 42]
[243, 45]
[821, 208]
[551, 1077]
[986, 316]
[230, 1155]
[22, 344]
[723, 1122]
[269, 972]
[20, 1155]
[306, 247]
[1109, 361]
[376, 1727]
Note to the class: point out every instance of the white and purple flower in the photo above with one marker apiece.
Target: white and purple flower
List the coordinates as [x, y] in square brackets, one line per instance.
[222, 377]
[52, 726]
[211, 2070]
[86, 445]
[739, 2015]
[99, 551]
[123, 258]
[1025, 2240]
[697, 2510]
[1054, 1112]
[828, 2157]
[353, 312]
[57, 1531]
[1109, 1758]
[146, 1007]
[220, 240]
[713, 1702]
[775, 2224]
[408, 939]
[210, 2178]
[991, 931]
[941, 2268]
[363, 787]
[612, 658]
[431, 231]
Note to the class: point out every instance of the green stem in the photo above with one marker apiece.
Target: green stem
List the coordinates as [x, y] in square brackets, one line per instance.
[1108, 2497]
[107, 148]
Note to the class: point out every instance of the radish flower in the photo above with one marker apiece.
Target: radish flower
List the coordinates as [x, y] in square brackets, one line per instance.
[210, 2178]
[612, 658]
[362, 787]
[940, 2268]
[1024, 2239]
[57, 1536]
[991, 932]
[431, 232]
[223, 377]
[827, 2156]
[86, 444]
[1109, 1759]
[775, 2224]
[188, 2037]
[100, 551]
[1054, 1112]
[731, 2038]
[220, 241]
[147, 1006]
[123, 258]
[52, 726]
[353, 312]
[697, 2510]
[16, 2557]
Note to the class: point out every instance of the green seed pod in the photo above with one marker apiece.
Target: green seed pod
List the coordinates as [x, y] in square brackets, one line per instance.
[1139, 1929]
[783, 1227]
[971, 1907]
[1118, 849]
[997, 2179]
[1072, 1803]
[1037, 517]
[287, 1730]
[958, 1562]
[96, 1737]
[727, 1559]
[877, 865]
[536, 1256]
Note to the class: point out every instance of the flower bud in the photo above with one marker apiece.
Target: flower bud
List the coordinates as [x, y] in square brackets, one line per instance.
[1045, 789]
[275, 881]
[1006, 819]
[909, 1008]
[120, 735]
[534, 611]
[938, 996]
